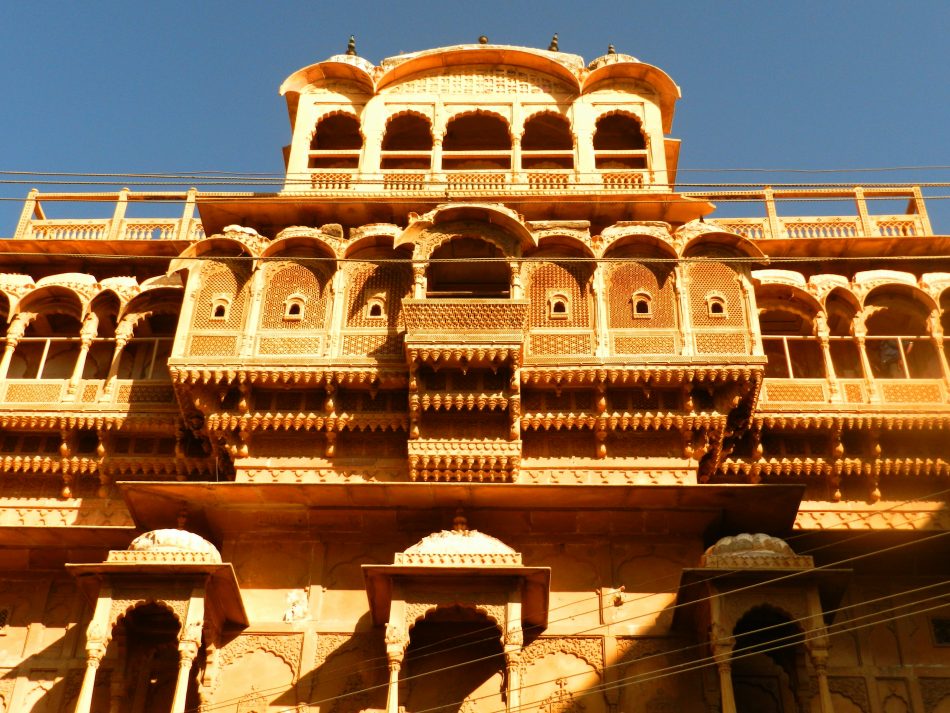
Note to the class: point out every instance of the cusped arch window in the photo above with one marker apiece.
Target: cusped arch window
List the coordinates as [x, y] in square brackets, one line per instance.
[468, 268]
[547, 142]
[716, 306]
[220, 308]
[337, 142]
[619, 143]
[376, 307]
[478, 140]
[642, 303]
[294, 307]
[407, 143]
[559, 305]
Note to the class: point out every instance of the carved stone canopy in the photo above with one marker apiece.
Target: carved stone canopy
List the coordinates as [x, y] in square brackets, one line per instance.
[159, 557]
[768, 562]
[464, 560]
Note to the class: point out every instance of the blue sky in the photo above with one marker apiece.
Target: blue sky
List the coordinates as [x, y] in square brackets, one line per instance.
[175, 86]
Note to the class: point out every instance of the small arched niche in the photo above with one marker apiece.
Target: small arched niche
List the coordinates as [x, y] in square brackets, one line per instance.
[473, 269]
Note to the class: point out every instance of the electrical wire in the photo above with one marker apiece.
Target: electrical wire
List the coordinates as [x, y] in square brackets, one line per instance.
[877, 612]
[651, 613]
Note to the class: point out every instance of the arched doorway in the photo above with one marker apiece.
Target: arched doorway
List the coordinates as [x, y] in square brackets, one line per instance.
[147, 668]
[455, 660]
[768, 667]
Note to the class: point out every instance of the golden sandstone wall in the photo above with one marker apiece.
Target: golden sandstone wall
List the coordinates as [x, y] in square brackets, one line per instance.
[477, 414]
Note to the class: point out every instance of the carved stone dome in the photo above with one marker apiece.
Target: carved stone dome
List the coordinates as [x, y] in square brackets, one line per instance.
[459, 547]
[174, 541]
[753, 550]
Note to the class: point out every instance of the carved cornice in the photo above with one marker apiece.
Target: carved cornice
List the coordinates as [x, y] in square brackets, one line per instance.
[647, 374]
[38, 421]
[306, 421]
[297, 375]
[623, 421]
[853, 421]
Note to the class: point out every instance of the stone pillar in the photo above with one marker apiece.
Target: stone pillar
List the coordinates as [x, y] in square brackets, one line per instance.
[722, 652]
[14, 333]
[936, 334]
[601, 324]
[97, 639]
[90, 327]
[95, 651]
[397, 639]
[392, 694]
[118, 217]
[258, 284]
[873, 394]
[337, 318]
[819, 657]
[513, 676]
[681, 288]
[516, 168]
[419, 279]
[824, 334]
[123, 333]
[187, 651]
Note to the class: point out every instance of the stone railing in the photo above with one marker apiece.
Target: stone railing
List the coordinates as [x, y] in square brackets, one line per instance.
[34, 223]
[88, 394]
[859, 223]
[810, 394]
[455, 318]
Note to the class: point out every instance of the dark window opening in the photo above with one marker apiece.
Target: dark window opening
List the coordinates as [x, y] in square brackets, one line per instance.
[339, 134]
[472, 272]
[615, 137]
[546, 138]
[476, 141]
[408, 133]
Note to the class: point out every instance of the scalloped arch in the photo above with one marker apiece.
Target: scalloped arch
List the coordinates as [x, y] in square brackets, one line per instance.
[144, 602]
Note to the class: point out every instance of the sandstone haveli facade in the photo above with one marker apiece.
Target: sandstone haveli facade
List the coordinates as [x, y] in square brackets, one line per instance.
[478, 413]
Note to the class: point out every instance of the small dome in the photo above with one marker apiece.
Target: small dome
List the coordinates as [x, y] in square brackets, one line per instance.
[459, 547]
[749, 544]
[611, 58]
[174, 541]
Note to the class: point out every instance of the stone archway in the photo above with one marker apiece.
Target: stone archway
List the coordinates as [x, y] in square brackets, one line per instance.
[455, 659]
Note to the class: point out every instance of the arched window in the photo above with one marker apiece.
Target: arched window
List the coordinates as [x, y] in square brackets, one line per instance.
[147, 352]
[466, 272]
[376, 307]
[790, 343]
[293, 308]
[642, 305]
[547, 142]
[716, 306]
[476, 141]
[898, 343]
[336, 142]
[559, 306]
[619, 143]
[220, 307]
[407, 143]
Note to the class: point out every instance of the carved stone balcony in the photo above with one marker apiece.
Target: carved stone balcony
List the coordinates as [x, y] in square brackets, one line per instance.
[465, 331]
[823, 395]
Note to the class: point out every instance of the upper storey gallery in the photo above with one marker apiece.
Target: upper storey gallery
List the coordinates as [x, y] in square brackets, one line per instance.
[481, 117]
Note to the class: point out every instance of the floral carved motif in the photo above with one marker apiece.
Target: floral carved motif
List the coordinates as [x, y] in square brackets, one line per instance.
[853, 688]
[587, 648]
[934, 691]
[285, 646]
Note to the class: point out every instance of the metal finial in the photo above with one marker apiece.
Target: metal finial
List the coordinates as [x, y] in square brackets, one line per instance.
[351, 46]
[553, 46]
[611, 49]
[483, 40]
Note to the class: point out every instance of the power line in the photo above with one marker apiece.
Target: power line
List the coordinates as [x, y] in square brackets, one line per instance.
[645, 614]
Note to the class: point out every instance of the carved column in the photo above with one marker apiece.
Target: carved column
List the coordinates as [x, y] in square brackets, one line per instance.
[337, 288]
[819, 657]
[95, 651]
[869, 379]
[419, 279]
[187, 651]
[97, 639]
[601, 325]
[514, 643]
[15, 332]
[824, 334]
[681, 288]
[397, 639]
[722, 651]
[517, 288]
[516, 168]
[188, 644]
[936, 334]
[90, 328]
[123, 333]
[436, 162]
[258, 283]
